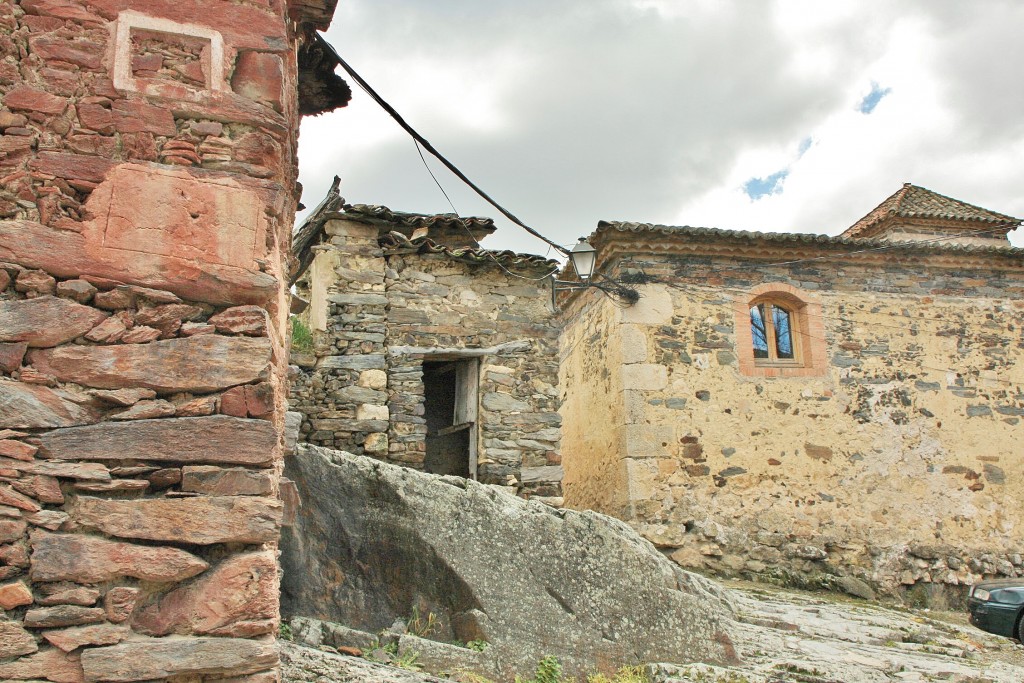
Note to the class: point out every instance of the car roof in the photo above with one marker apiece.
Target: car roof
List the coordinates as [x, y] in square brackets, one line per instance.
[995, 584]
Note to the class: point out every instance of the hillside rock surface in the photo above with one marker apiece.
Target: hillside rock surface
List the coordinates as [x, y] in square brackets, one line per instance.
[374, 543]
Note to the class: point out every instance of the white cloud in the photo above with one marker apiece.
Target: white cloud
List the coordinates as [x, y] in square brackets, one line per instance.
[661, 111]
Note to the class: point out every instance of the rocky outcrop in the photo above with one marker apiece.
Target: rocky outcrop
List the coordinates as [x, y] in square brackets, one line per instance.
[306, 665]
[374, 542]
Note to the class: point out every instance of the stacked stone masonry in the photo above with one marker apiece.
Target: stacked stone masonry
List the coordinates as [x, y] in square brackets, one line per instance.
[897, 463]
[380, 312]
[147, 174]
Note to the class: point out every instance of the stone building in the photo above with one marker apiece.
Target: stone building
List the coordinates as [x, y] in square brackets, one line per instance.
[808, 407]
[147, 194]
[430, 351]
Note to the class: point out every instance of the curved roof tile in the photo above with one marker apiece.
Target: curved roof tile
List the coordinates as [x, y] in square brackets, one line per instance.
[418, 220]
[912, 201]
[396, 241]
[806, 238]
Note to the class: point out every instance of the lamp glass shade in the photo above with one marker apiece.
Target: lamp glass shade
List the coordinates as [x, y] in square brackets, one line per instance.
[583, 257]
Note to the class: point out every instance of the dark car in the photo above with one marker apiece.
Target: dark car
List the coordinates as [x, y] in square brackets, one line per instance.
[996, 606]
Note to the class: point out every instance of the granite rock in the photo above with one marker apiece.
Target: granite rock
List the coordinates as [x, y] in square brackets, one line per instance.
[533, 580]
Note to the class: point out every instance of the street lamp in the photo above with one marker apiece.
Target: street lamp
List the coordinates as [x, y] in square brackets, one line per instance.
[583, 257]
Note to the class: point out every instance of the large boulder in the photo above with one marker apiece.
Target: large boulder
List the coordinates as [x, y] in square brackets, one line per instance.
[374, 543]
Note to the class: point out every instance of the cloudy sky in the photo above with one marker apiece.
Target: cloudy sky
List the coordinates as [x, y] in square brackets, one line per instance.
[770, 115]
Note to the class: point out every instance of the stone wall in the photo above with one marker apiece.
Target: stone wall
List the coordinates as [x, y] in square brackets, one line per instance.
[147, 169]
[592, 409]
[385, 311]
[897, 463]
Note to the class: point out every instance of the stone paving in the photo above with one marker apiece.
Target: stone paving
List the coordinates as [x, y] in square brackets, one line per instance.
[787, 636]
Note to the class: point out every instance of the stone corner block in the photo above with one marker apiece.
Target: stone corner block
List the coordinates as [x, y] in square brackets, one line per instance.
[647, 441]
[653, 308]
[644, 377]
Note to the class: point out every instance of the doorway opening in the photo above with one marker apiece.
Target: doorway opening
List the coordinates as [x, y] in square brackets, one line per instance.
[450, 409]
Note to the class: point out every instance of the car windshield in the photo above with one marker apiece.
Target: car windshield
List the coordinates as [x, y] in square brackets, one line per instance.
[1008, 597]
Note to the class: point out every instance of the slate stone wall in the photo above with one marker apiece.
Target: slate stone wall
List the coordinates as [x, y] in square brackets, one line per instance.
[386, 312]
[898, 466]
[146, 177]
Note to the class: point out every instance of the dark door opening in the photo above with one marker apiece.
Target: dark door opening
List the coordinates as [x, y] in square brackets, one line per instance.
[450, 397]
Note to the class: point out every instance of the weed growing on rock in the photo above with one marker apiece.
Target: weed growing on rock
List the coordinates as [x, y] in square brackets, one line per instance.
[627, 674]
[388, 654]
[708, 677]
[407, 661]
[421, 626]
[470, 677]
[549, 670]
[302, 337]
[800, 670]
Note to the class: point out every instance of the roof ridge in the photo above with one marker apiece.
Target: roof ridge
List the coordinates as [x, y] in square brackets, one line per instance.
[478, 254]
[914, 201]
[817, 238]
[389, 215]
[959, 202]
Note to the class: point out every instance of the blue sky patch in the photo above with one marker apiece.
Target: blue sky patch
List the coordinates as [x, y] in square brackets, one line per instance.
[762, 187]
[871, 100]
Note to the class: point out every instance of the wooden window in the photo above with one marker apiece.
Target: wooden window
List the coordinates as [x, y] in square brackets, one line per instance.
[771, 331]
[779, 332]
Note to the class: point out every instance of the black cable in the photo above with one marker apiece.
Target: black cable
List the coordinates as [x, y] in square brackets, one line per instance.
[717, 301]
[895, 245]
[469, 232]
[419, 150]
[430, 148]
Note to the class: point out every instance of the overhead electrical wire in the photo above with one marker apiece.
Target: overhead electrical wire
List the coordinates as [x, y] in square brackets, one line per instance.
[440, 157]
[419, 150]
[909, 320]
[718, 302]
[469, 232]
[422, 143]
[898, 245]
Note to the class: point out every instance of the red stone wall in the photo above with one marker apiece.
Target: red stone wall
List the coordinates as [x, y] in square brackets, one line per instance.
[146, 197]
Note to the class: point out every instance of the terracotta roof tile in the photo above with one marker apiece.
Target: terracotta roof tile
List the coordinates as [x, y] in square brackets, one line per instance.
[398, 232]
[911, 201]
[418, 220]
[750, 237]
[397, 242]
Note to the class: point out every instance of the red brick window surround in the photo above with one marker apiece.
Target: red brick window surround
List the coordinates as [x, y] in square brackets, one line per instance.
[779, 332]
